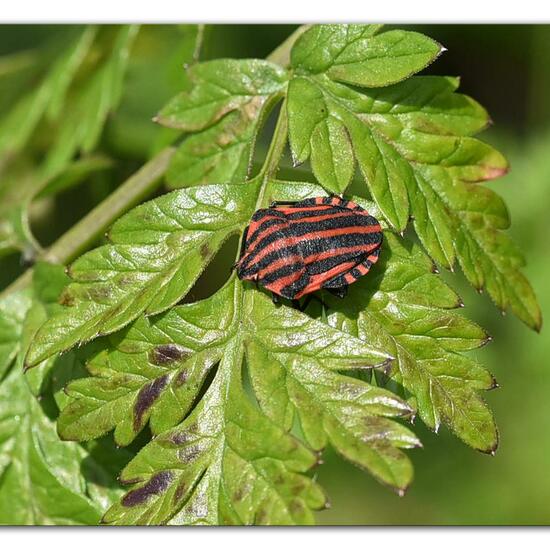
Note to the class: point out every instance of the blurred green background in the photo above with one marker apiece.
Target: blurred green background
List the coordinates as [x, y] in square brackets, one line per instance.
[506, 69]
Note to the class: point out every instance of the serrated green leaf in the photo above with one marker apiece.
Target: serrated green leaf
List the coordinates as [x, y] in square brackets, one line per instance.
[249, 462]
[158, 251]
[222, 153]
[404, 308]
[40, 481]
[358, 54]
[155, 369]
[259, 466]
[44, 481]
[317, 120]
[219, 87]
[227, 102]
[412, 141]
[334, 408]
[150, 376]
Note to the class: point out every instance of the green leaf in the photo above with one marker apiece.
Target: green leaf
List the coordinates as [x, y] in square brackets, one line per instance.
[219, 87]
[158, 251]
[412, 142]
[323, 127]
[40, 480]
[17, 186]
[13, 308]
[226, 102]
[48, 281]
[155, 370]
[77, 128]
[406, 309]
[358, 54]
[222, 153]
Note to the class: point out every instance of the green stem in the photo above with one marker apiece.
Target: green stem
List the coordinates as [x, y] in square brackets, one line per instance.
[276, 147]
[94, 224]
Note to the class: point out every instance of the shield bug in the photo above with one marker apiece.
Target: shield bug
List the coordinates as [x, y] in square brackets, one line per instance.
[294, 249]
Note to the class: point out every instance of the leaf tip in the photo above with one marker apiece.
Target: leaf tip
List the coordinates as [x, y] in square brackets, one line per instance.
[488, 338]
[491, 451]
[494, 172]
[103, 520]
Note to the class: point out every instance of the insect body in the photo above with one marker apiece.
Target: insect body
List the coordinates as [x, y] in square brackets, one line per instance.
[294, 249]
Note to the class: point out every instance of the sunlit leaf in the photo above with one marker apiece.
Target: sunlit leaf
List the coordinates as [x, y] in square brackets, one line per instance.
[226, 103]
[158, 251]
[412, 142]
[361, 55]
[407, 310]
[43, 481]
[155, 374]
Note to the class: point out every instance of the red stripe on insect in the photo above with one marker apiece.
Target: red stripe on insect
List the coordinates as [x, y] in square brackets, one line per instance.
[278, 264]
[335, 252]
[279, 284]
[317, 281]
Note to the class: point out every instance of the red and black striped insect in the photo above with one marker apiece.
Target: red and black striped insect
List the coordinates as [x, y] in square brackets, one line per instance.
[294, 249]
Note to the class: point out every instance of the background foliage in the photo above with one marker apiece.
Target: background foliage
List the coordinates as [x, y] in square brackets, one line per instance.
[453, 484]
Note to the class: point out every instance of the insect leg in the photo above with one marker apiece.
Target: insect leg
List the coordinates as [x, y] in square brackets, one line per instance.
[340, 292]
[275, 299]
[307, 300]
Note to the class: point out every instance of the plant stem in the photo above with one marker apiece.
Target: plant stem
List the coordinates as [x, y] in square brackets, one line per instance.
[275, 151]
[94, 224]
